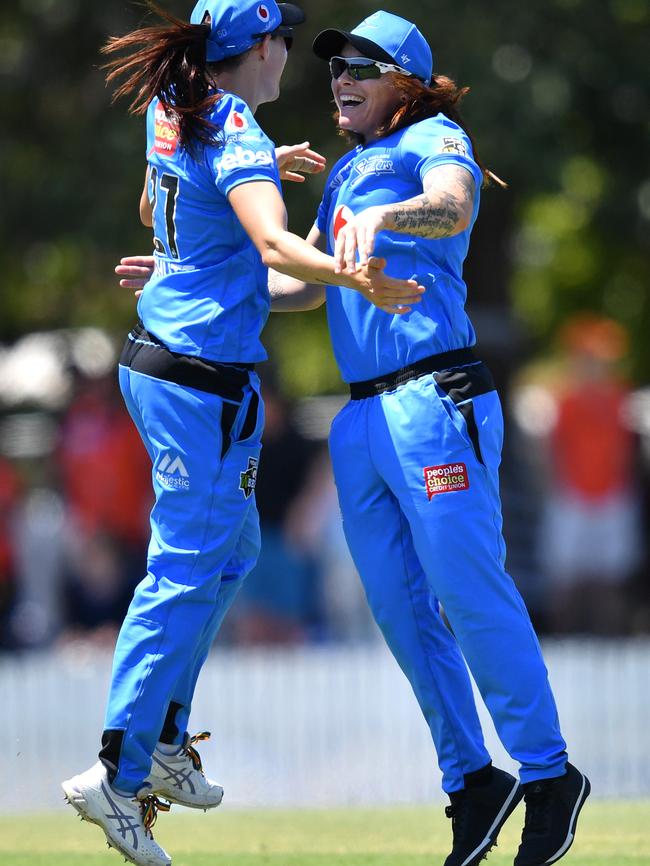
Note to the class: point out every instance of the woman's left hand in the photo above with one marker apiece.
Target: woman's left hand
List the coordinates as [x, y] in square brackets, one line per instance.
[358, 234]
[135, 272]
[295, 158]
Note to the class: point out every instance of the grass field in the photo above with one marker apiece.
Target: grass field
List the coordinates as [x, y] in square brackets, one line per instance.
[616, 834]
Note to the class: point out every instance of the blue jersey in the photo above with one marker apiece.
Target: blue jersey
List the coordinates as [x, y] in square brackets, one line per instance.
[368, 342]
[209, 292]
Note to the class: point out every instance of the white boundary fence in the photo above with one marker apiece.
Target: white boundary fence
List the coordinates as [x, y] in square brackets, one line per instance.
[316, 726]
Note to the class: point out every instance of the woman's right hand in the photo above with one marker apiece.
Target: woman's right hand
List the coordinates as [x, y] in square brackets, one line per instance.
[135, 272]
[390, 294]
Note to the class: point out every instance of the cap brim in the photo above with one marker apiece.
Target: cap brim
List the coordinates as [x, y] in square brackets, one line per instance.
[291, 14]
[329, 43]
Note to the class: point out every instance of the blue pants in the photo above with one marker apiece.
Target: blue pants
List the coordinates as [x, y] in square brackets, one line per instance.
[204, 540]
[417, 475]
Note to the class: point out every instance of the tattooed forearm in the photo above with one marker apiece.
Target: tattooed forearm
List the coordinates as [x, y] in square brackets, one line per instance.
[441, 211]
[425, 218]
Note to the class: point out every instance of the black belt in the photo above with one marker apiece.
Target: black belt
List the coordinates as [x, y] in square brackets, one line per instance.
[432, 364]
[144, 353]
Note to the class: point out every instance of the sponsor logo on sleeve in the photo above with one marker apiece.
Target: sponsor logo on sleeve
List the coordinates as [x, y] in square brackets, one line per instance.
[166, 132]
[235, 123]
[445, 478]
[242, 157]
[453, 145]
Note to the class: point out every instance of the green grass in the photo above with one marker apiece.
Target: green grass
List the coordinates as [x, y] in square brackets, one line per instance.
[610, 834]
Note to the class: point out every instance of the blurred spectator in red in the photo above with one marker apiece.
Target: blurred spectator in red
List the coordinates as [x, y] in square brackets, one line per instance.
[590, 540]
[10, 494]
[105, 478]
[104, 468]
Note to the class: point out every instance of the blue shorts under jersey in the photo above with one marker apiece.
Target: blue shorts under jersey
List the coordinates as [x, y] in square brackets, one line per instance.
[367, 343]
[209, 293]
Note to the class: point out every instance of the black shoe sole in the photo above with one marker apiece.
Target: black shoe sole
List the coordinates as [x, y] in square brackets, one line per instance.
[509, 806]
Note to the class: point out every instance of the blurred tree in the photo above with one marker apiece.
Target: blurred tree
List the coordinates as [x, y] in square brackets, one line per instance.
[559, 108]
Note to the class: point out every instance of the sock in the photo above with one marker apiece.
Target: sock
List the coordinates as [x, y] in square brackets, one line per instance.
[169, 748]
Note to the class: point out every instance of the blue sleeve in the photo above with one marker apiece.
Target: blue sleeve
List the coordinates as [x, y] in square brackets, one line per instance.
[246, 154]
[438, 141]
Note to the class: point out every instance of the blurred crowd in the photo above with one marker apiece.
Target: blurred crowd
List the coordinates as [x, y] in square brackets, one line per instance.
[74, 511]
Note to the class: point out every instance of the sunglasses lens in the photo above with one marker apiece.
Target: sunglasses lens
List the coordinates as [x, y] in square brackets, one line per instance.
[359, 70]
[363, 71]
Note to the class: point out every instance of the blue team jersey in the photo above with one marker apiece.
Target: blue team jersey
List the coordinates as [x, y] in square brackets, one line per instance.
[209, 292]
[368, 342]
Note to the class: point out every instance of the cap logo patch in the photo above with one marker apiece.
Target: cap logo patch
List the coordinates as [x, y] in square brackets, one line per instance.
[263, 13]
[236, 123]
[453, 145]
[445, 478]
[405, 58]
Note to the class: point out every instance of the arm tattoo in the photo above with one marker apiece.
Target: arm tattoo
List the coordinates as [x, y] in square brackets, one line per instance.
[440, 210]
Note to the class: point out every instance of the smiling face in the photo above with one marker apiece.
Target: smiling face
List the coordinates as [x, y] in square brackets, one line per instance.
[364, 105]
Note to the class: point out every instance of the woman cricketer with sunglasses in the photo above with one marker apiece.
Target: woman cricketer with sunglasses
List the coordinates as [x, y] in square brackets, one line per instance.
[416, 450]
[213, 197]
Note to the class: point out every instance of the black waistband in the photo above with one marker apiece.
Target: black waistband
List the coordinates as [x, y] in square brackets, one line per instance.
[432, 364]
[144, 353]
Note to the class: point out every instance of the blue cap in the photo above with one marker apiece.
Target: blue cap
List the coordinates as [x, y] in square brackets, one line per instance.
[236, 25]
[384, 37]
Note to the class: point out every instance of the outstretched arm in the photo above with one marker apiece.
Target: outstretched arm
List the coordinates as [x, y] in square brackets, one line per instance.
[443, 209]
[260, 209]
[289, 295]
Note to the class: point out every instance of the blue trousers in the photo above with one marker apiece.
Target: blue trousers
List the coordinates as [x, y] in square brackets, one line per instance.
[205, 538]
[417, 478]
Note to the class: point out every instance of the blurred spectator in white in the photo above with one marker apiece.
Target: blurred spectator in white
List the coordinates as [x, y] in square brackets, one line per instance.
[314, 525]
[590, 537]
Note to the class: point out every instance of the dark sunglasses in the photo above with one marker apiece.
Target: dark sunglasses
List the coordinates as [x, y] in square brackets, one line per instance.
[362, 68]
[280, 32]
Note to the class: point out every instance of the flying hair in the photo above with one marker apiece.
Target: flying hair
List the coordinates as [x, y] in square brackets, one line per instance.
[168, 61]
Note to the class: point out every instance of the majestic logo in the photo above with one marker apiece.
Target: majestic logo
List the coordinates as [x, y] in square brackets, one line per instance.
[342, 216]
[243, 158]
[172, 473]
[248, 478]
[236, 122]
[263, 13]
[453, 145]
[377, 164]
[445, 478]
[165, 132]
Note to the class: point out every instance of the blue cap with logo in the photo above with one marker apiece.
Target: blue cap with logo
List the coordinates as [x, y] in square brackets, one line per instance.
[236, 25]
[384, 37]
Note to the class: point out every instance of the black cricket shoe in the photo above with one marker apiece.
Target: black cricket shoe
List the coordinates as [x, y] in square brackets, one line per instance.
[552, 809]
[478, 813]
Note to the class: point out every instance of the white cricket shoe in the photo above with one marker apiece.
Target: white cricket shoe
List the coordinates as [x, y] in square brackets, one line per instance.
[126, 821]
[180, 778]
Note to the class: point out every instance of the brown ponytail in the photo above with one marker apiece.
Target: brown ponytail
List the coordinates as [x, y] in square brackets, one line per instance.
[421, 101]
[167, 61]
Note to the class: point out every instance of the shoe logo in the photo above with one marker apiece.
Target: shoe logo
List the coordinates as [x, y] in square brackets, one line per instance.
[176, 778]
[172, 473]
[248, 478]
[125, 823]
[445, 478]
